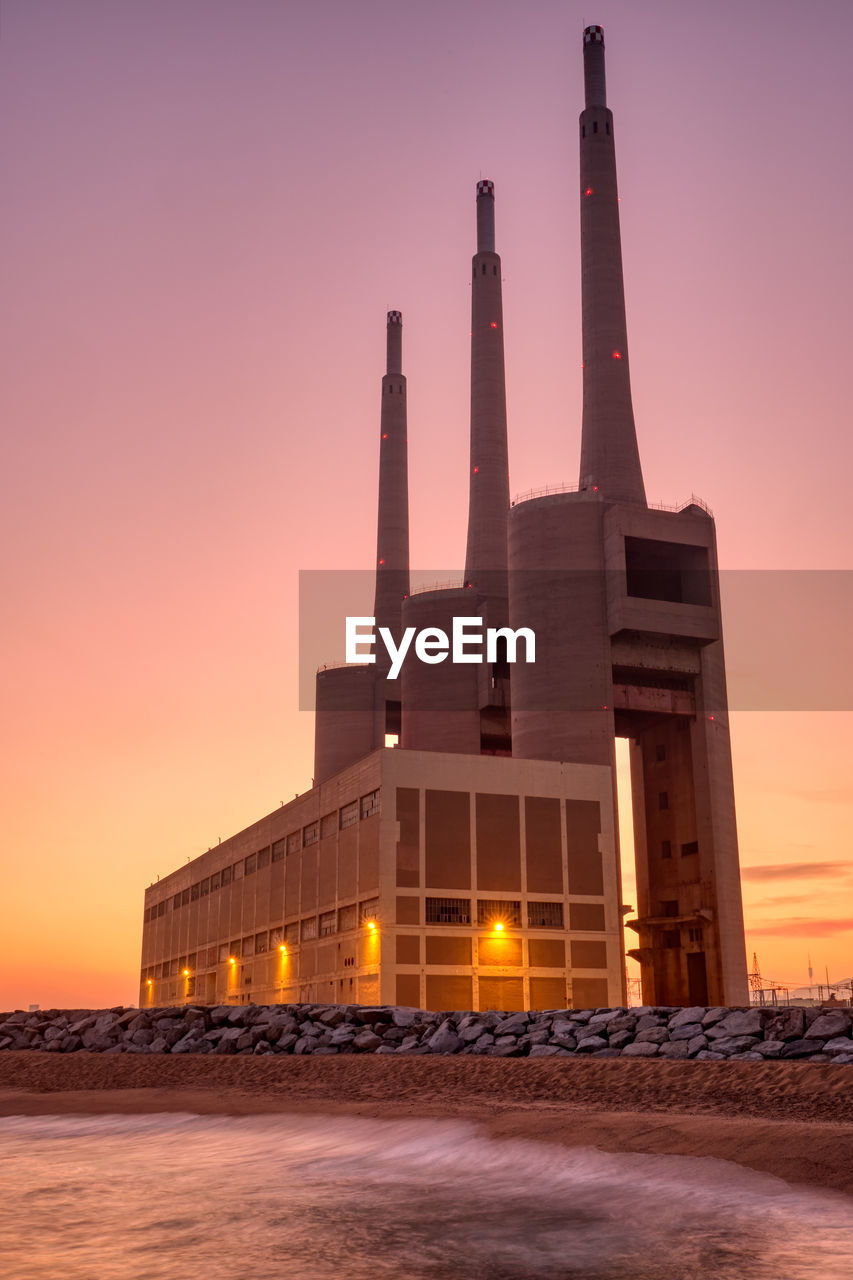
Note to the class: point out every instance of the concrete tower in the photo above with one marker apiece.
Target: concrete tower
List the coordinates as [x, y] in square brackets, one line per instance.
[357, 706]
[610, 460]
[625, 604]
[488, 500]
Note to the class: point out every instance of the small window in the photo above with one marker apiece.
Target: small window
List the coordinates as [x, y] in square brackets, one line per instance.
[204, 887]
[663, 799]
[185, 897]
[583, 130]
[660, 751]
[250, 864]
[495, 269]
[215, 881]
[237, 870]
[192, 960]
[607, 127]
[278, 851]
[349, 814]
[236, 948]
[545, 915]
[490, 910]
[294, 842]
[223, 952]
[291, 935]
[225, 876]
[484, 268]
[310, 834]
[695, 935]
[263, 857]
[329, 824]
[370, 804]
[309, 929]
[327, 923]
[595, 126]
[195, 891]
[448, 911]
[368, 909]
[666, 848]
[348, 917]
[261, 943]
[691, 847]
[276, 936]
[176, 902]
[248, 947]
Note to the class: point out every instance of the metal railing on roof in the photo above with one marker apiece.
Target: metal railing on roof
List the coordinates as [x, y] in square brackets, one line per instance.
[693, 501]
[544, 493]
[454, 584]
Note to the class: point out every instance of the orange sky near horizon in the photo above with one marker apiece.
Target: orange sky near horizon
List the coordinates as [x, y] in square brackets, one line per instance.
[210, 209]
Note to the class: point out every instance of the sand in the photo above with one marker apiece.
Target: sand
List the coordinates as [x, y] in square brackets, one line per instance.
[793, 1119]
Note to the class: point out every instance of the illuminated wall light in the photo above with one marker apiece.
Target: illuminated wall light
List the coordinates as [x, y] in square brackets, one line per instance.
[283, 949]
[371, 924]
[499, 927]
[231, 960]
[150, 982]
[186, 973]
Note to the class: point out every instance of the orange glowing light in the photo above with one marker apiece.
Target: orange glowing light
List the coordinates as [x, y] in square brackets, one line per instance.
[149, 982]
[282, 947]
[231, 960]
[499, 927]
[186, 973]
[371, 924]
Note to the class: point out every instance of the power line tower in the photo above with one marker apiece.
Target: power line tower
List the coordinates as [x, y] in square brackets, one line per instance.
[755, 987]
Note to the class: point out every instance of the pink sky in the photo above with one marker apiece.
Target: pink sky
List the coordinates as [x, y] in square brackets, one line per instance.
[209, 209]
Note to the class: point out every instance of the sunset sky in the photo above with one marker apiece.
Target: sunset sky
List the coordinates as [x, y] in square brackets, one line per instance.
[209, 208]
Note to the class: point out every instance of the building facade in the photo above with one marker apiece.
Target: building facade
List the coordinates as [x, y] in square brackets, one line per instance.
[476, 864]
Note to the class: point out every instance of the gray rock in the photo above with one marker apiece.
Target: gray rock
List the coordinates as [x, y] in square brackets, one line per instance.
[709, 1055]
[365, 1042]
[643, 1049]
[503, 1051]
[729, 1045]
[674, 1049]
[770, 1048]
[787, 1024]
[829, 1025]
[589, 1044]
[687, 1017]
[545, 1051]
[687, 1031]
[650, 1020]
[619, 1039]
[714, 1016]
[802, 1048]
[743, 1022]
[841, 1044]
[609, 1052]
[515, 1024]
[696, 1045]
[652, 1035]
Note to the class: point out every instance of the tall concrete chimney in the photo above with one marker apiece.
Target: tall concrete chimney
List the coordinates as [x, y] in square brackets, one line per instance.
[392, 536]
[488, 502]
[610, 460]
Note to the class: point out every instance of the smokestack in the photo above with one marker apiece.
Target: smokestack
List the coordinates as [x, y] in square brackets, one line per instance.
[610, 459]
[392, 536]
[488, 501]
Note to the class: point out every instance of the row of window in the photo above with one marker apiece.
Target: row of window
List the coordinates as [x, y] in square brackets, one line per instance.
[540, 915]
[255, 944]
[595, 128]
[337, 820]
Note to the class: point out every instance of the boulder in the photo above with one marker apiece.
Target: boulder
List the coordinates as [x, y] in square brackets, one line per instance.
[687, 1017]
[643, 1049]
[829, 1025]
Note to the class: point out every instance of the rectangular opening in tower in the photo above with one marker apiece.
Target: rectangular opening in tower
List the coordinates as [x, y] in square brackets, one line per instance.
[625, 813]
[672, 571]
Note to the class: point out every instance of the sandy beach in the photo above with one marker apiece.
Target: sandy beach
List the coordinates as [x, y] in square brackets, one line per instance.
[794, 1120]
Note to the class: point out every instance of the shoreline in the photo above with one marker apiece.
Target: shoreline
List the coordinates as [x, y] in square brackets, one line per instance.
[791, 1120]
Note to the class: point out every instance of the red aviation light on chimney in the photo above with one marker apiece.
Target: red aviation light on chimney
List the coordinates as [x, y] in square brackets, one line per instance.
[476, 469]
[617, 355]
[588, 191]
[494, 324]
[384, 435]
[381, 561]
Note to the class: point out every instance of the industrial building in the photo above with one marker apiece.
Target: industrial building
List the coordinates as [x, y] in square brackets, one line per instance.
[474, 863]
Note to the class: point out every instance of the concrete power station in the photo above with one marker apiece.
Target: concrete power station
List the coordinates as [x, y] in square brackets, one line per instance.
[474, 864]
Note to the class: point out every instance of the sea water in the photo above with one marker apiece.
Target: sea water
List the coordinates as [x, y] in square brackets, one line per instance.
[179, 1197]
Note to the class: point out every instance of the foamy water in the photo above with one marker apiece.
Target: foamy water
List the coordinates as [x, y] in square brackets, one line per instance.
[175, 1197]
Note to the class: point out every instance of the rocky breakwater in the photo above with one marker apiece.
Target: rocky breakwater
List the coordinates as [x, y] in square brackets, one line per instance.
[699, 1034]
